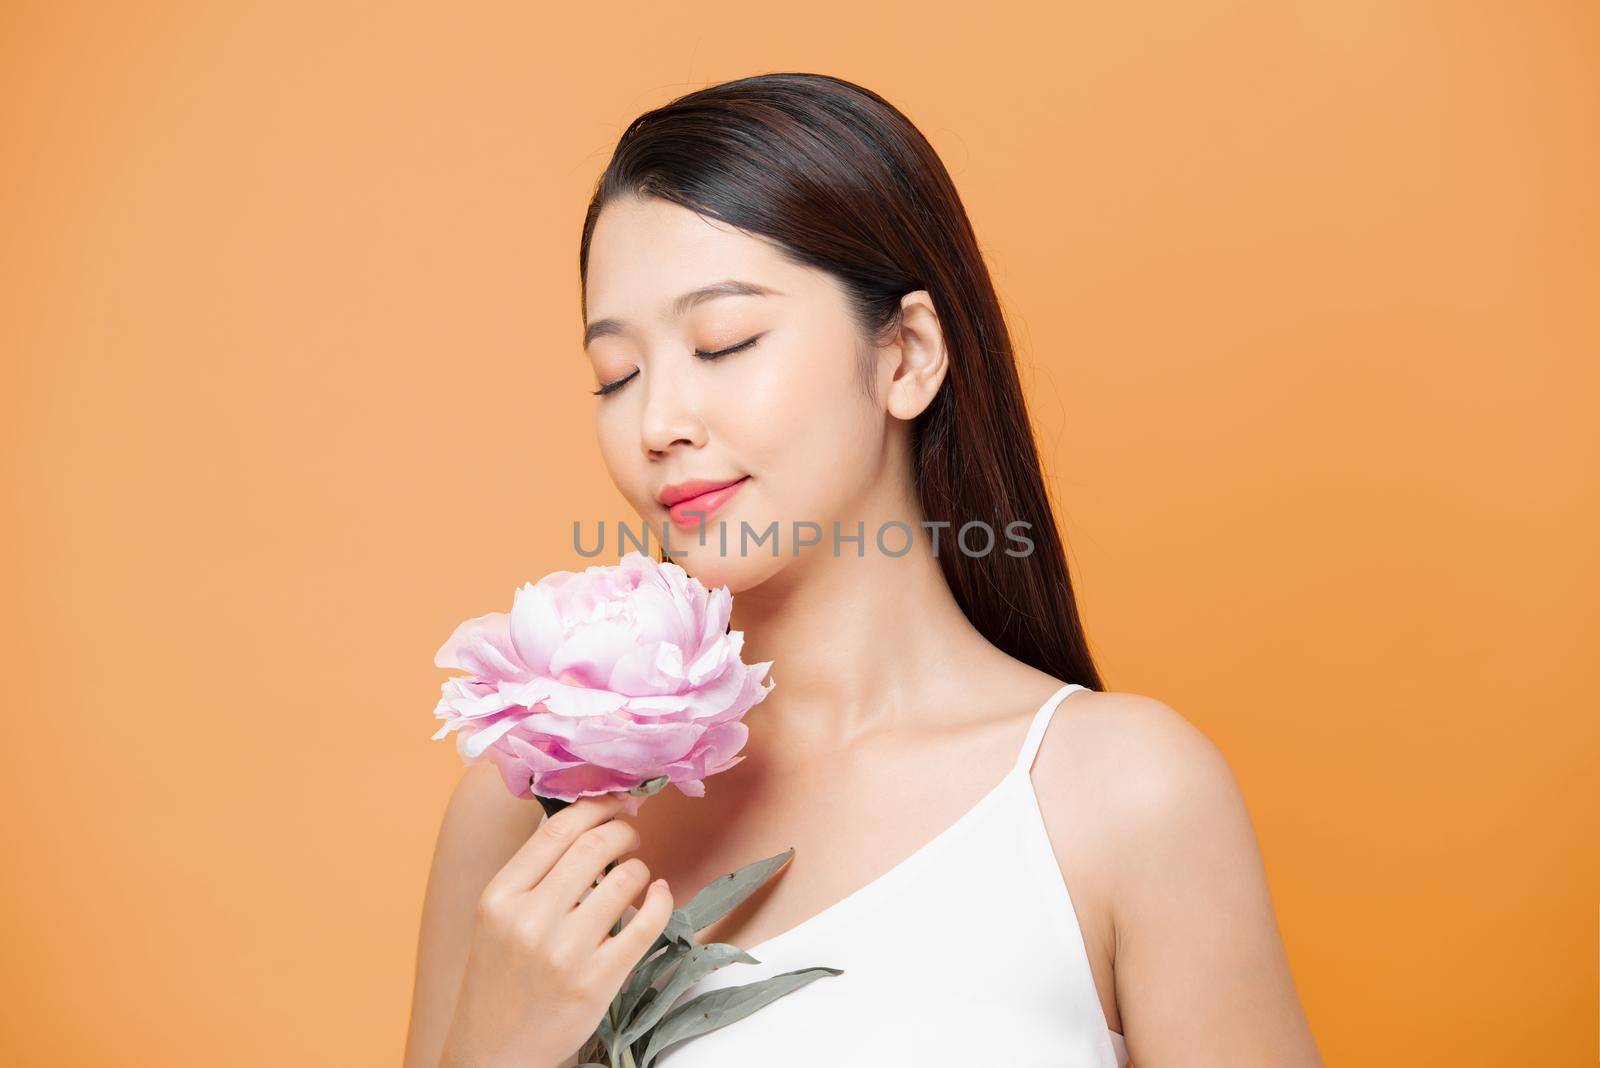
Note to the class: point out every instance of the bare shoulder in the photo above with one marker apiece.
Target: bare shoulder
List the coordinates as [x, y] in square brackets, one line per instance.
[484, 821]
[1147, 763]
[1157, 831]
[1146, 792]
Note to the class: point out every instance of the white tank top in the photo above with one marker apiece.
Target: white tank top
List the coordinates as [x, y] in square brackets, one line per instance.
[968, 952]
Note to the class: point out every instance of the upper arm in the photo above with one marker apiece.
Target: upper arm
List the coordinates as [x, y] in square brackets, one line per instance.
[483, 825]
[1201, 973]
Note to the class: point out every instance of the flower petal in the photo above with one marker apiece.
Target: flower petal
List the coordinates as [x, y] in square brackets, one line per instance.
[535, 626]
[473, 743]
[716, 657]
[636, 749]
[591, 653]
[581, 702]
[651, 669]
[482, 647]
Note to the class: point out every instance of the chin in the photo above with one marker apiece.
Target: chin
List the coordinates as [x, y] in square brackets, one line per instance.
[714, 568]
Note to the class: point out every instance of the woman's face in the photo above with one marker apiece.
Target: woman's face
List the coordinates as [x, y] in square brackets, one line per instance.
[785, 413]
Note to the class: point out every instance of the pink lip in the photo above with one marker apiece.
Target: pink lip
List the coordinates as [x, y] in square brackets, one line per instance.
[690, 512]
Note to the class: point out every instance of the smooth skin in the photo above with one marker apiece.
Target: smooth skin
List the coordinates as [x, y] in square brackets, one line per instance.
[892, 714]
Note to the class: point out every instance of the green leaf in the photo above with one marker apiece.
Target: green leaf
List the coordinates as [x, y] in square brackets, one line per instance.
[700, 961]
[716, 900]
[678, 930]
[649, 786]
[717, 1008]
[651, 967]
[719, 897]
[643, 976]
[650, 995]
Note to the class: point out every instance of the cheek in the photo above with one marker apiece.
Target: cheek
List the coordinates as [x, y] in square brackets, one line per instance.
[620, 454]
[803, 421]
[773, 411]
[800, 386]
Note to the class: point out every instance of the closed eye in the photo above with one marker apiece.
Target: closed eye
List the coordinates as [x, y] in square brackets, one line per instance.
[609, 387]
[740, 347]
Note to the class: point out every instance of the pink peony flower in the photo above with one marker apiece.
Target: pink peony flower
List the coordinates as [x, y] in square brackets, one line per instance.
[600, 680]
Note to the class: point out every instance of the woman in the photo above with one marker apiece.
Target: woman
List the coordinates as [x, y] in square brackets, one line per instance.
[783, 297]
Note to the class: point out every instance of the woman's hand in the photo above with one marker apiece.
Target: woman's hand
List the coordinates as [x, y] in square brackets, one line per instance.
[544, 967]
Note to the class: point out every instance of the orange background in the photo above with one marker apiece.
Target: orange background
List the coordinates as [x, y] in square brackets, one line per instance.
[293, 383]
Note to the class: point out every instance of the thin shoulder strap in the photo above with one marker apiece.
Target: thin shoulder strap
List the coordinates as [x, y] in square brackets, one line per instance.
[1041, 720]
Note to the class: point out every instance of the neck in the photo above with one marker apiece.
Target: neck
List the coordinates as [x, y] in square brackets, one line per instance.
[858, 644]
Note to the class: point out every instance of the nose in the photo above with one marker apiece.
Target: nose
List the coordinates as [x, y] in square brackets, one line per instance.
[671, 416]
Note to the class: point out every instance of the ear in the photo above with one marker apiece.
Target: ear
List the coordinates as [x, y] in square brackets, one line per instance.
[917, 357]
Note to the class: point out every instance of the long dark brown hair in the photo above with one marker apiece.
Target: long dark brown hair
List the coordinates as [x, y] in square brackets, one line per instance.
[842, 181]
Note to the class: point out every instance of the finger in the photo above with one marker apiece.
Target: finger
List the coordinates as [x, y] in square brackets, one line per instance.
[584, 862]
[549, 840]
[619, 953]
[599, 912]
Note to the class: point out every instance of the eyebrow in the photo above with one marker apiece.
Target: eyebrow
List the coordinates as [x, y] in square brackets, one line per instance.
[731, 287]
